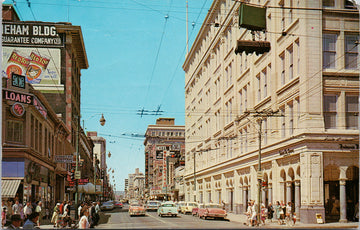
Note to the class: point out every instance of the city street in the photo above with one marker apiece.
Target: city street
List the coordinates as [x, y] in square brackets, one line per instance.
[122, 220]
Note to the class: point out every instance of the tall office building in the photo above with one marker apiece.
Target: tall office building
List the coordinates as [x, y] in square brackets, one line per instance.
[301, 99]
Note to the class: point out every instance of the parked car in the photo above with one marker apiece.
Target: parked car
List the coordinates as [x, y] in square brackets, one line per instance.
[212, 211]
[152, 205]
[167, 208]
[196, 209]
[188, 207]
[107, 206]
[136, 209]
[118, 204]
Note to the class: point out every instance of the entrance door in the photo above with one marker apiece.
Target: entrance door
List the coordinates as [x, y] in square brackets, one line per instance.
[332, 203]
[232, 200]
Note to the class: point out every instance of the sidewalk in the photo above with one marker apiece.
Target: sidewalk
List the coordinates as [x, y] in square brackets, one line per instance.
[241, 219]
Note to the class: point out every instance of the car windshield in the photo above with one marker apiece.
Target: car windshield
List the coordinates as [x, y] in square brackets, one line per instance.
[107, 203]
[153, 203]
[192, 204]
[213, 206]
[135, 204]
[168, 205]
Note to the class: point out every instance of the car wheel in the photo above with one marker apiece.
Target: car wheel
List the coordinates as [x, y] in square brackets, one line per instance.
[205, 217]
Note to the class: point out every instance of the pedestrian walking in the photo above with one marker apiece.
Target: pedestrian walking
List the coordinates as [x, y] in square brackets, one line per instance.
[84, 221]
[16, 208]
[253, 219]
[270, 212]
[62, 207]
[55, 216]
[278, 211]
[38, 210]
[27, 210]
[79, 209]
[15, 222]
[31, 222]
[263, 213]
[248, 214]
[3, 217]
[66, 217]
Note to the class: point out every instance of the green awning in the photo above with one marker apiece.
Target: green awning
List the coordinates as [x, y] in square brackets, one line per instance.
[9, 188]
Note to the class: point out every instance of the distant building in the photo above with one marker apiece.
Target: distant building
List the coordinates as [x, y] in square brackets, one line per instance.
[164, 152]
[99, 160]
[134, 186]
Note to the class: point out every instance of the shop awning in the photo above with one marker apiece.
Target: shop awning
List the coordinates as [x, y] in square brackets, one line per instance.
[9, 188]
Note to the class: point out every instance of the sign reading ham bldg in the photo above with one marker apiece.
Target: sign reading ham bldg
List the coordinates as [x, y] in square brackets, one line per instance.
[28, 34]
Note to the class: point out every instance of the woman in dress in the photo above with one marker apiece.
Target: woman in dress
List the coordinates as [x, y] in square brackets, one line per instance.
[84, 221]
[55, 216]
[278, 211]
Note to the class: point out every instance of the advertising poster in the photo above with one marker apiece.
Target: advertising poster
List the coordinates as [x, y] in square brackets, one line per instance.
[40, 66]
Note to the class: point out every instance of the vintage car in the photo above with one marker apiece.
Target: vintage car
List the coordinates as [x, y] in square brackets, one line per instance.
[136, 209]
[212, 211]
[167, 208]
[107, 206]
[152, 205]
[188, 207]
[118, 204]
[180, 204]
[196, 209]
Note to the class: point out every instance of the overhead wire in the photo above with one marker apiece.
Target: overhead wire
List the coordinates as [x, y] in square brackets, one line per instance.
[157, 54]
[182, 55]
[52, 58]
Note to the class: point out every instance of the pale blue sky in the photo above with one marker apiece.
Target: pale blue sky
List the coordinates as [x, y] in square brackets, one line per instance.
[127, 70]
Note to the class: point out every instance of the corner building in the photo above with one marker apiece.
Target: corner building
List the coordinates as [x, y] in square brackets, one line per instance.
[310, 156]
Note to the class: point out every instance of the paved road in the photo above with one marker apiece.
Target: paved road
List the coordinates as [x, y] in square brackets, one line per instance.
[122, 220]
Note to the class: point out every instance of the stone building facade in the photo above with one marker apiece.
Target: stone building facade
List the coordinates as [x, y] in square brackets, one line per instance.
[164, 151]
[310, 78]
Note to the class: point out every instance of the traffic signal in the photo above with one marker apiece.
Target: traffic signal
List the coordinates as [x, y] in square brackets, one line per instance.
[259, 47]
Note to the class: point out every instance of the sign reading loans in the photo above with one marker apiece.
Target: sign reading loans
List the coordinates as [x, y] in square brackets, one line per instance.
[31, 34]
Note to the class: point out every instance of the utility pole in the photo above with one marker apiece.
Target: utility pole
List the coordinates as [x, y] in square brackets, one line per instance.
[187, 29]
[264, 114]
[194, 177]
[77, 166]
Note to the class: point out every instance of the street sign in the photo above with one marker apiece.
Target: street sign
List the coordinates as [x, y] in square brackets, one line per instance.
[77, 175]
[63, 159]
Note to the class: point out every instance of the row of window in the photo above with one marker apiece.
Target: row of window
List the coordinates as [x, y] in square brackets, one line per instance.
[335, 103]
[167, 134]
[332, 53]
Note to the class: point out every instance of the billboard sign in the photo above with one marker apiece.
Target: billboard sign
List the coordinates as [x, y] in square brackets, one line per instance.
[40, 66]
[31, 34]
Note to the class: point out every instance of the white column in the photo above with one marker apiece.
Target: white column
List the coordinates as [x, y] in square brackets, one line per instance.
[342, 201]
[288, 191]
[270, 192]
[297, 199]
[244, 197]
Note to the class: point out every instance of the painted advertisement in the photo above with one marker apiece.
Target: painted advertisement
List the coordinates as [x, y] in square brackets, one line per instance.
[30, 34]
[38, 65]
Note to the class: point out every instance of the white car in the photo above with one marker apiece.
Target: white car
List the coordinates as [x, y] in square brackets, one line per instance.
[107, 206]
